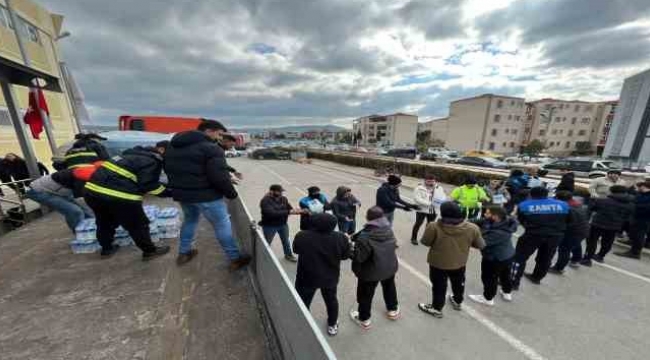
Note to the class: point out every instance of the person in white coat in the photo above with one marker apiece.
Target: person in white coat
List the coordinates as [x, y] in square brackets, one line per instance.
[428, 196]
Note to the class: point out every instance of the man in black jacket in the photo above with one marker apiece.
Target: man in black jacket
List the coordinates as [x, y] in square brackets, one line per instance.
[640, 221]
[321, 251]
[375, 261]
[199, 179]
[545, 221]
[86, 150]
[568, 181]
[115, 193]
[275, 210]
[570, 248]
[388, 198]
[610, 215]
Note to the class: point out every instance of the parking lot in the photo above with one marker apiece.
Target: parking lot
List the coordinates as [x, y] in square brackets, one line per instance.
[588, 313]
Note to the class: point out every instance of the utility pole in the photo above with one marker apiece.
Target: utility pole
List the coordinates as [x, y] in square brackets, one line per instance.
[25, 55]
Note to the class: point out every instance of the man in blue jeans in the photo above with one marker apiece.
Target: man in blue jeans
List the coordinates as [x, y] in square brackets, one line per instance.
[55, 192]
[199, 178]
[275, 210]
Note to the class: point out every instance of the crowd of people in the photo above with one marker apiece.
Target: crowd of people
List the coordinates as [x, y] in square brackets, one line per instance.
[487, 218]
[482, 216]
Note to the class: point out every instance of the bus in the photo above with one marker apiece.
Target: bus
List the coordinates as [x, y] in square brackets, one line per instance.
[170, 124]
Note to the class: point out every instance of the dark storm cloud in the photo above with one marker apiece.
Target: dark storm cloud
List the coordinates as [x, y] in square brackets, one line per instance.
[439, 19]
[576, 33]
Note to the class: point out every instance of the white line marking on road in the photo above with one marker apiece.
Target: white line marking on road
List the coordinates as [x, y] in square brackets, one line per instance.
[624, 272]
[334, 175]
[283, 179]
[529, 352]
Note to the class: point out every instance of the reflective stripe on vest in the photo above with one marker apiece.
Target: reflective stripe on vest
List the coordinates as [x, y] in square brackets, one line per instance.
[79, 154]
[112, 193]
[120, 171]
[157, 191]
[80, 165]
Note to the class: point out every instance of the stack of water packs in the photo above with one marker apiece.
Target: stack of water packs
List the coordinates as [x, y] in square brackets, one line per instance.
[164, 224]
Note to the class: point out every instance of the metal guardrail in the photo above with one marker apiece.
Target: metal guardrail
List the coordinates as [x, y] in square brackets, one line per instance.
[288, 322]
[14, 196]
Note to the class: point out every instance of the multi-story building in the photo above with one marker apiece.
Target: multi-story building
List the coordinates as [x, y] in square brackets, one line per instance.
[629, 139]
[486, 122]
[437, 128]
[39, 31]
[390, 130]
[603, 126]
[560, 125]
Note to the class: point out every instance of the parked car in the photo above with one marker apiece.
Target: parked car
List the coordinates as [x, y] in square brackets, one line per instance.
[232, 153]
[427, 156]
[403, 153]
[591, 168]
[482, 161]
[270, 154]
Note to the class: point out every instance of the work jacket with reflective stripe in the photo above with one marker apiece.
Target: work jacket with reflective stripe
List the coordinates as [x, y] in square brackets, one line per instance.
[128, 176]
[84, 152]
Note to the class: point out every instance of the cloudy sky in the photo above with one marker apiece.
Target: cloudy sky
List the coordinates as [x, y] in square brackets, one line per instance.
[288, 62]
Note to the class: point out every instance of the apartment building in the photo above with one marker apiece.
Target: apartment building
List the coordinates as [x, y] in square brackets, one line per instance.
[560, 125]
[603, 126]
[437, 128]
[486, 122]
[388, 130]
[39, 31]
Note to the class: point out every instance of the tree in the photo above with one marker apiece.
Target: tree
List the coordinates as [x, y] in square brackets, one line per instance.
[422, 137]
[346, 138]
[583, 148]
[534, 147]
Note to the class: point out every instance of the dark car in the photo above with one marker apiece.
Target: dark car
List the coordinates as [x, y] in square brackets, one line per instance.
[403, 153]
[270, 154]
[427, 156]
[482, 161]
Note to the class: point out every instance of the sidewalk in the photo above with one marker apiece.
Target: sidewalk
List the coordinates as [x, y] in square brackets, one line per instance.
[58, 305]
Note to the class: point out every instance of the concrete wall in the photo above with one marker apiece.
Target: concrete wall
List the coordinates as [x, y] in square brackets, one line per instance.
[466, 124]
[437, 127]
[404, 129]
[44, 56]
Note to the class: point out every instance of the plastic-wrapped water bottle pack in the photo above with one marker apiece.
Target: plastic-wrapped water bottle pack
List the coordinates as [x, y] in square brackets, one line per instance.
[164, 224]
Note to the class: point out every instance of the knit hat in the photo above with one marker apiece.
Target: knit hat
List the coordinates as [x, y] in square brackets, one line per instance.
[394, 180]
[471, 181]
[450, 210]
[313, 190]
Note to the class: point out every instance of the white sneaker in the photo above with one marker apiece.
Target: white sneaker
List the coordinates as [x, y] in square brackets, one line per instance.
[456, 306]
[393, 314]
[481, 300]
[506, 296]
[365, 325]
[333, 330]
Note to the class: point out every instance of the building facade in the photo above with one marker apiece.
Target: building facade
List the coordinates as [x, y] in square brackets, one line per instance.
[39, 30]
[629, 138]
[562, 125]
[437, 128]
[388, 130]
[603, 126]
[486, 122]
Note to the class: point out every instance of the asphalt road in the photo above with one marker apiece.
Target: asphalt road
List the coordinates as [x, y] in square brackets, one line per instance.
[588, 313]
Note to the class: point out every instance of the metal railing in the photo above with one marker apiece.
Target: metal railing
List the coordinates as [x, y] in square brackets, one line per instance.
[288, 322]
[14, 196]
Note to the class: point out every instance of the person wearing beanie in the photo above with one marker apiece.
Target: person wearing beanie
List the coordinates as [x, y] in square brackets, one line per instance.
[610, 214]
[570, 248]
[314, 203]
[389, 199]
[276, 209]
[321, 251]
[374, 261]
[449, 240]
[470, 197]
[545, 222]
[344, 207]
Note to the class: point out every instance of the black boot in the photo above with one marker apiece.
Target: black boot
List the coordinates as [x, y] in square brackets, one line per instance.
[160, 251]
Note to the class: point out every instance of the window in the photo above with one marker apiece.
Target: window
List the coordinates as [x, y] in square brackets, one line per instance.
[512, 145]
[499, 104]
[570, 133]
[586, 120]
[551, 144]
[547, 107]
[561, 106]
[504, 144]
[494, 132]
[554, 132]
[567, 145]
[558, 119]
[589, 108]
[509, 117]
[491, 146]
[5, 18]
[564, 119]
[512, 103]
[577, 108]
[29, 31]
[562, 132]
[497, 118]
[573, 121]
[582, 132]
[514, 131]
[518, 118]
[507, 131]
[542, 132]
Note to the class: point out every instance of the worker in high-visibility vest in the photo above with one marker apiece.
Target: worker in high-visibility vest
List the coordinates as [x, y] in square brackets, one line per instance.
[86, 150]
[115, 193]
